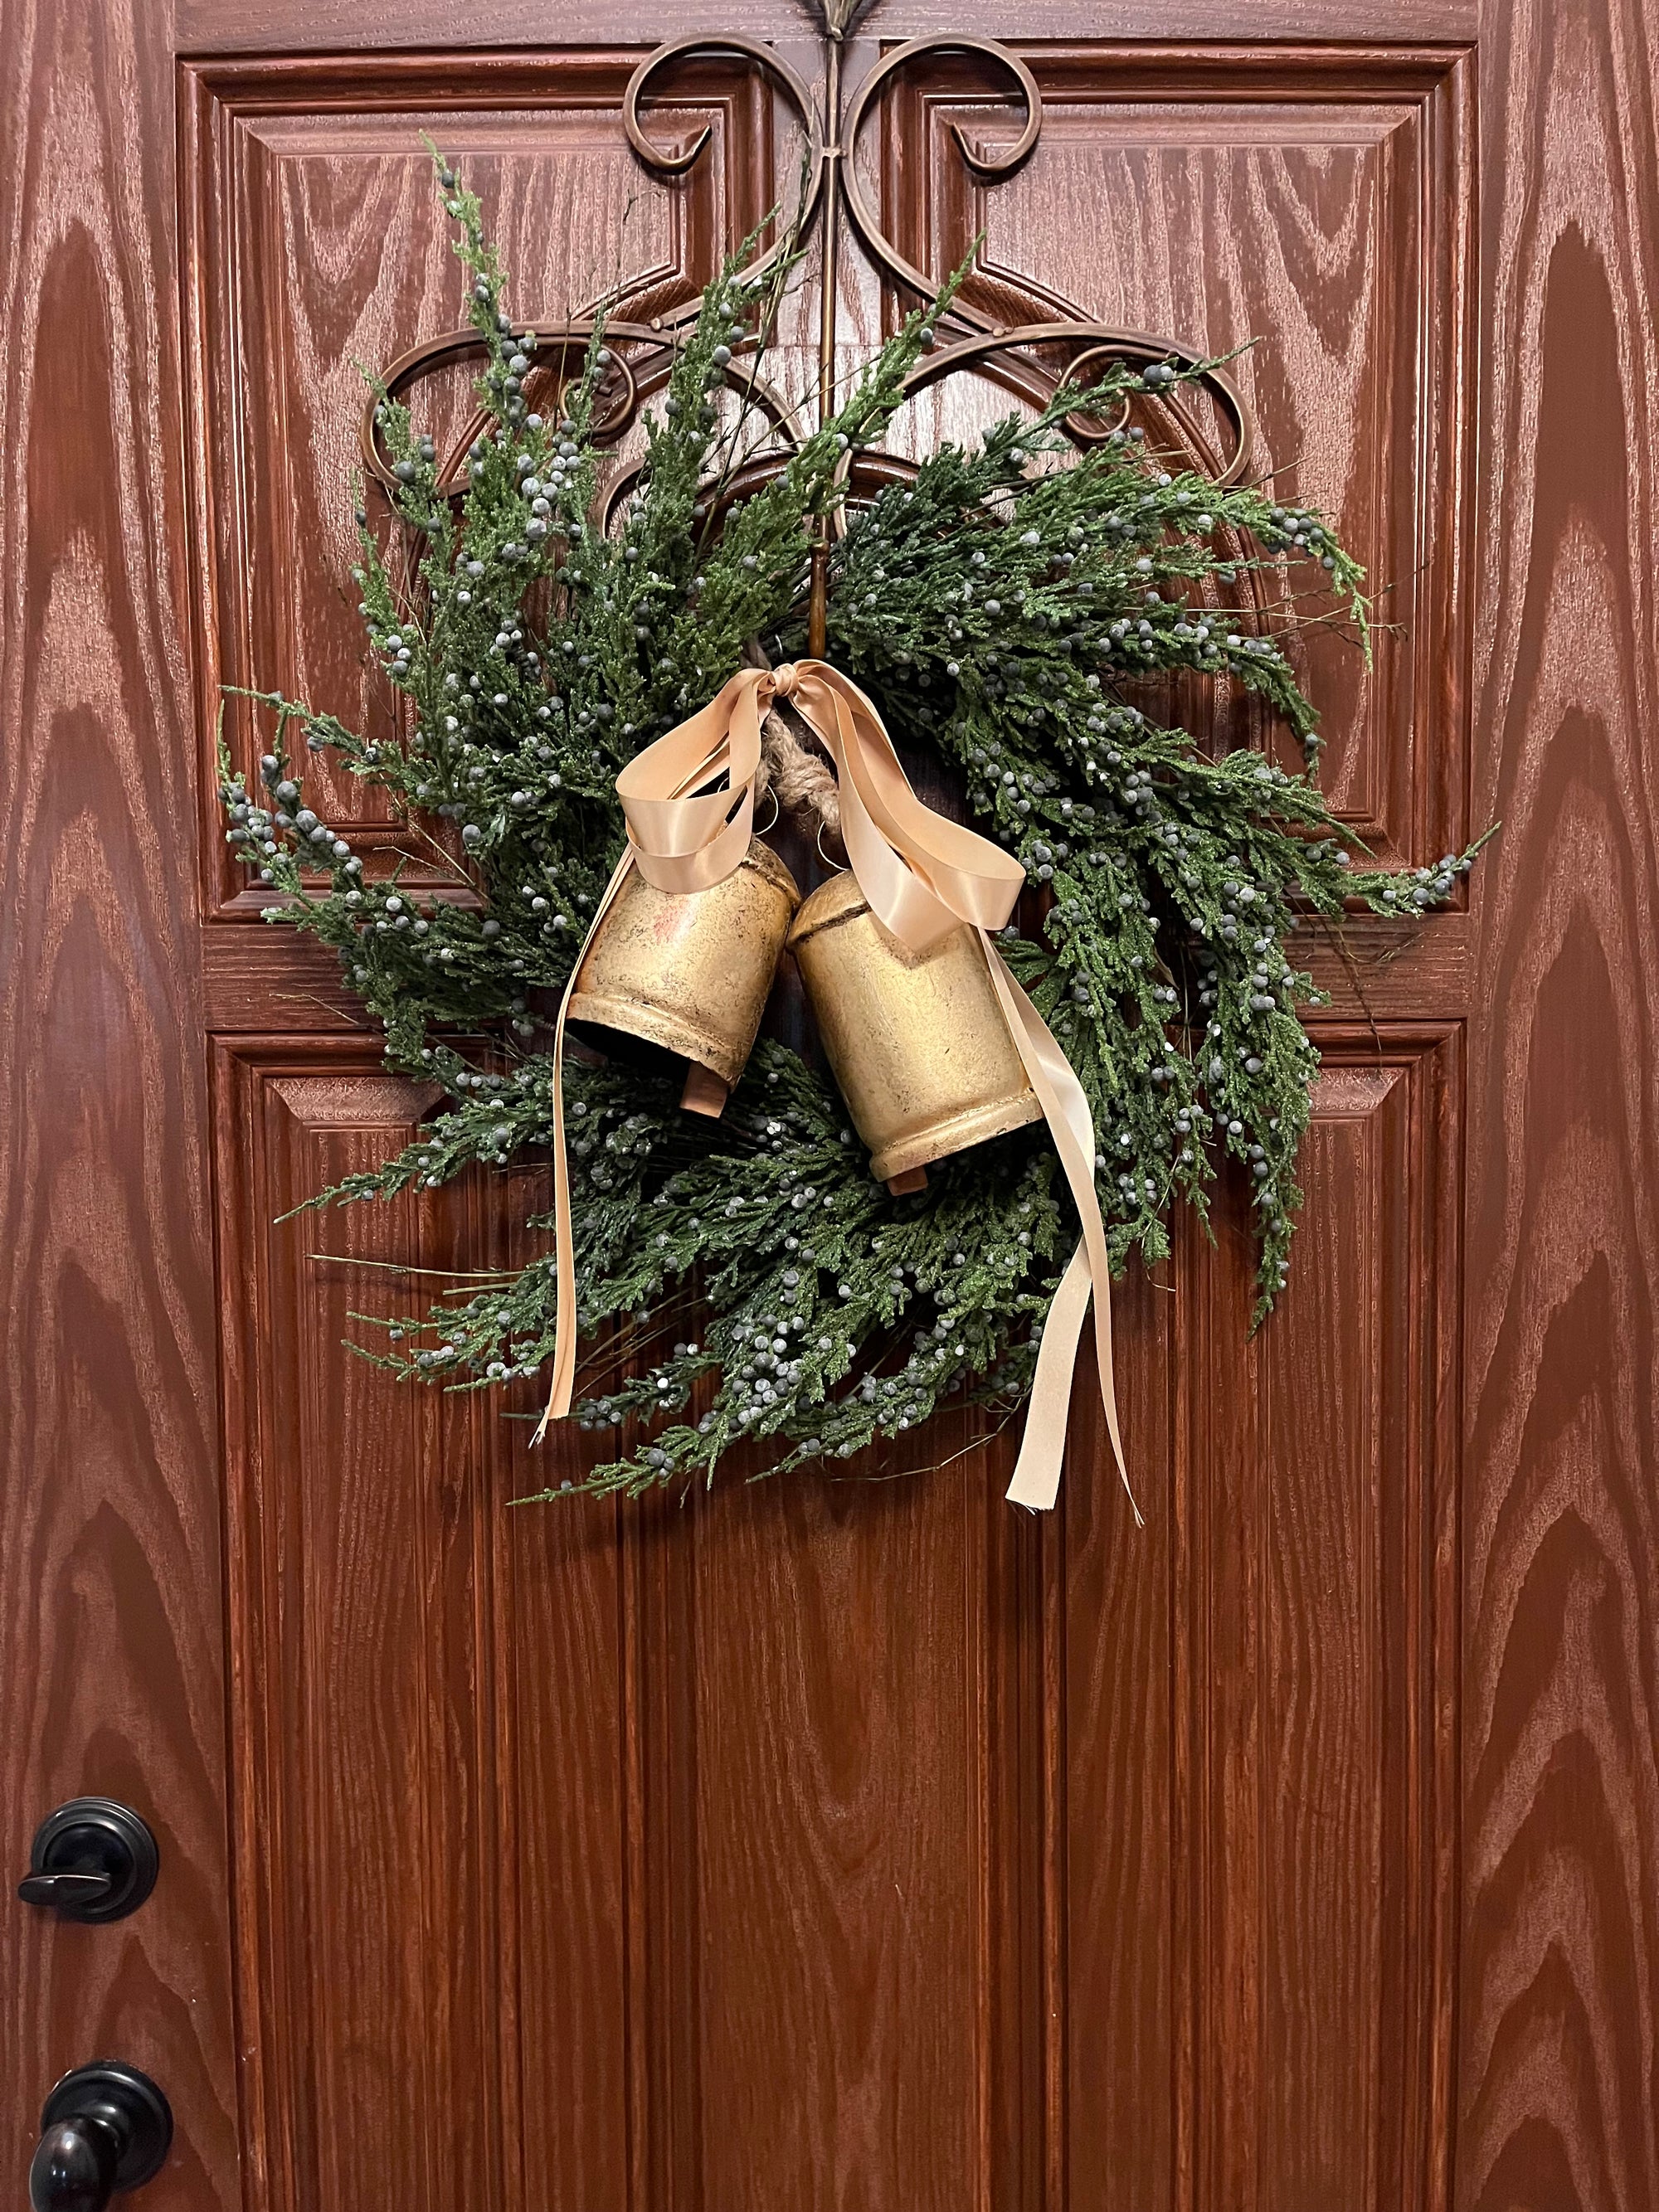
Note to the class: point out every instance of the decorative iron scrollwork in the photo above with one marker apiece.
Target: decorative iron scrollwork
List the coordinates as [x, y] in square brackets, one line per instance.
[991, 168]
[1019, 358]
[561, 348]
[771, 64]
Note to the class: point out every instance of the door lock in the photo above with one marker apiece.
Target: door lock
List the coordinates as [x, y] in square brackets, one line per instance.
[92, 1860]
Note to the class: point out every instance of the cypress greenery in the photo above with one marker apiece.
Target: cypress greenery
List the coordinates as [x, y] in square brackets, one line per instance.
[1005, 609]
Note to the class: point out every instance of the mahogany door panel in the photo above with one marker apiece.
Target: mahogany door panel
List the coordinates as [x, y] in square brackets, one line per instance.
[366, 1777]
[764, 1761]
[853, 1843]
[1314, 207]
[317, 252]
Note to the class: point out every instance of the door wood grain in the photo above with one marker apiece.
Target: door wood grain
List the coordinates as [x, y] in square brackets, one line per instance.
[111, 1670]
[1558, 1969]
[853, 1845]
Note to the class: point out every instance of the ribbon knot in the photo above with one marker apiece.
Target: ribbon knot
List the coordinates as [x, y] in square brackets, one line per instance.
[688, 800]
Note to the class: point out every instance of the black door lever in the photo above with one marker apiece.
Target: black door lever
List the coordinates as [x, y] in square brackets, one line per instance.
[68, 1893]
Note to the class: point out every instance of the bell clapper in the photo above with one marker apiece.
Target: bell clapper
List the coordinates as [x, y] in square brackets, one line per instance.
[704, 1091]
[913, 1179]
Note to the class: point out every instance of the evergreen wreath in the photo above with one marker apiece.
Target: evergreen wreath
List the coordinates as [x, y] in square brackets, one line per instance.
[1005, 608]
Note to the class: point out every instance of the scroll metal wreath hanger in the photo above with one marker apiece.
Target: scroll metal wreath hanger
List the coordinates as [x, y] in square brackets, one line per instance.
[1032, 360]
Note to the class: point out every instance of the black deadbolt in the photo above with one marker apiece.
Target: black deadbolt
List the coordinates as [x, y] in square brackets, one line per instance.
[92, 1860]
[105, 2128]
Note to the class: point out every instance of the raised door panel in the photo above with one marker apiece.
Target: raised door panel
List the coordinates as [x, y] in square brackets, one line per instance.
[849, 1840]
[318, 251]
[1313, 207]
[692, 1847]
[1259, 1695]
[429, 1774]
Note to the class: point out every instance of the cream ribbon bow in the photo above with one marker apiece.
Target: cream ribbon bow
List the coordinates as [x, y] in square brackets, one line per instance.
[923, 876]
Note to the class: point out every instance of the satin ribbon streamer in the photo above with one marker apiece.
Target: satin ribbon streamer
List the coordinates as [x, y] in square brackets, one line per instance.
[923, 875]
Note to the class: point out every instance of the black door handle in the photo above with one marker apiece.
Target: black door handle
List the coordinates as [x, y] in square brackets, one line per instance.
[73, 2168]
[91, 1860]
[105, 2128]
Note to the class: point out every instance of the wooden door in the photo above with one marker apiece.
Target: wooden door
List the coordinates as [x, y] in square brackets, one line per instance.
[860, 1845]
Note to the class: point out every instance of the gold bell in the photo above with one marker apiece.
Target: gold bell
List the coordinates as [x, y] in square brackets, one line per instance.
[917, 1039]
[689, 973]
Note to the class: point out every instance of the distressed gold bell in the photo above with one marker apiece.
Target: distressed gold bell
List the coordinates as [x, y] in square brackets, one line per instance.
[689, 973]
[917, 1039]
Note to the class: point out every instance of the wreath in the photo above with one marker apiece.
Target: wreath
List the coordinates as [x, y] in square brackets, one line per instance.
[1018, 607]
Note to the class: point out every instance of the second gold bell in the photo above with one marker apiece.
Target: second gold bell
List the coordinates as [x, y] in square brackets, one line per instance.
[917, 1041]
[688, 973]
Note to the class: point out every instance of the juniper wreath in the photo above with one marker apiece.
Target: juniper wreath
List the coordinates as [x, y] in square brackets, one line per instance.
[744, 1281]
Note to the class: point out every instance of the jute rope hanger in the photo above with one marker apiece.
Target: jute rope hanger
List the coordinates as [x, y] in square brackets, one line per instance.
[801, 781]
